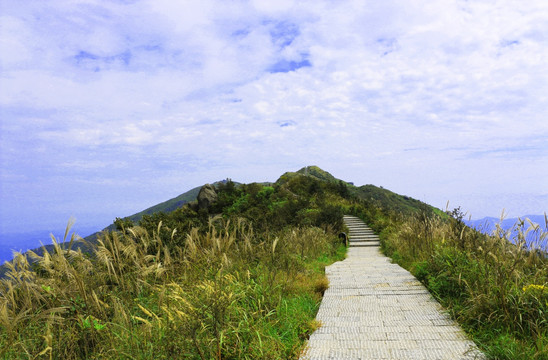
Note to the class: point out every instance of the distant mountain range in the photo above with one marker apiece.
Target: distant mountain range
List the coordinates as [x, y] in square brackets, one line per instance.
[488, 225]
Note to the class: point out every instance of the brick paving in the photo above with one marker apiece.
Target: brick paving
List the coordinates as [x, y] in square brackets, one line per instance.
[374, 309]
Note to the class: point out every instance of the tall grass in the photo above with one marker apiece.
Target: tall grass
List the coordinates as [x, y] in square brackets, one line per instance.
[225, 293]
[496, 286]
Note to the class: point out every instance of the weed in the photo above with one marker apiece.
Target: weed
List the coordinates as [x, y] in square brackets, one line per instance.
[228, 293]
[495, 286]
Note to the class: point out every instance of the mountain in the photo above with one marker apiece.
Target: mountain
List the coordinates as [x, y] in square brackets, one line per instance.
[380, 196]
[377, 195]
[392, 201]
[310, 171]
[488, 225]
[230, 246]
[169, 205]
[166, 206]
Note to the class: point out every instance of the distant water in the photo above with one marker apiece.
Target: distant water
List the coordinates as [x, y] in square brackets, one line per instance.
[22, 242]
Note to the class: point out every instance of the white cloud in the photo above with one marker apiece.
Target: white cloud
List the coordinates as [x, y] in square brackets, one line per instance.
[438, 100]
[12, 36]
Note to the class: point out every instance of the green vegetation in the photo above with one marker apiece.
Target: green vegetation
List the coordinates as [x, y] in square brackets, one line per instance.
[243, 277]
[494, 286]
[163, 207]
[308, 171]
[394, 203]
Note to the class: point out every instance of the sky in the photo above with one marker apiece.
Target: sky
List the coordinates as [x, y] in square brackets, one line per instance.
[109, 107]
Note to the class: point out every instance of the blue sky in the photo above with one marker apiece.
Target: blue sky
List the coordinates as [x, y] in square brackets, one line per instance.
[109, 107]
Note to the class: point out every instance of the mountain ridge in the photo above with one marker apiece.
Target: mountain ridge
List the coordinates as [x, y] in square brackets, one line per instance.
[377, 195]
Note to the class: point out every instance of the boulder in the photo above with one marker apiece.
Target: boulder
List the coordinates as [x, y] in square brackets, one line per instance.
[206, 196]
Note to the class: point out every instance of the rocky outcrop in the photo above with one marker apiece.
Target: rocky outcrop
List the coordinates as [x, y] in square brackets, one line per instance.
[206, 196]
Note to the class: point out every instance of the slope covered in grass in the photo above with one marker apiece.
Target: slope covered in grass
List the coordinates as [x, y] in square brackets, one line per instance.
[495, 286]
[243, 278]
[240, 279]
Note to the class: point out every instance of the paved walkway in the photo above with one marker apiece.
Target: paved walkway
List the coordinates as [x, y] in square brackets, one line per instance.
[374, 309]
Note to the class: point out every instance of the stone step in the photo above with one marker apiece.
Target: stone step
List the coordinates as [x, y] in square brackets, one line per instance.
[364, 244]
[361, 228]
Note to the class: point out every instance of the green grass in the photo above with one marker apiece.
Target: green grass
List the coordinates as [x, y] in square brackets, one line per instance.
[243, 279]
[494, 286]
[226, 295]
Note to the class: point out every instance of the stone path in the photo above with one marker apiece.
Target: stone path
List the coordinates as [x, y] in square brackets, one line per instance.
[374, 309]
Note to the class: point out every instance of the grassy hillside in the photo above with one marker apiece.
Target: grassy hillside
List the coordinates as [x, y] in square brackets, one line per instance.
[240, 279]
[243, 278]
[394, 202]
[310, 171]
[165, 207]
[495, 286]
[374, 196]
[169, 205]
[87, 243]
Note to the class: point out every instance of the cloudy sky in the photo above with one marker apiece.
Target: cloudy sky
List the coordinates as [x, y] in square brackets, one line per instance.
[109, 107]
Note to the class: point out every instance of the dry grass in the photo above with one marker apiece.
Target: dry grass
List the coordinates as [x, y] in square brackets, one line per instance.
[496, 286]
[226, 293]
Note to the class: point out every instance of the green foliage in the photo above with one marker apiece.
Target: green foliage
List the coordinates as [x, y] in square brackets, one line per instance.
[309, 171]
[240, 279]
[495, 286]
[243, 279]
[225, 294]
[123, 224]
[390, 201]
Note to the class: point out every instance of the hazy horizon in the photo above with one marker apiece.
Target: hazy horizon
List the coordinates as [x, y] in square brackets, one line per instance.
[110, 107]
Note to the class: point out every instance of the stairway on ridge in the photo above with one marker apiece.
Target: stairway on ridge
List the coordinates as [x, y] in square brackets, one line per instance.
[375, 309]
[360, 235]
